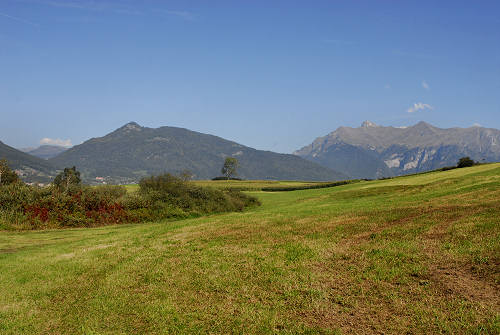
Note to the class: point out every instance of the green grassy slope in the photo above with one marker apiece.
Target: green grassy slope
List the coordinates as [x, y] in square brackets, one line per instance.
[245, 185]
[32, 168]
[417, 254]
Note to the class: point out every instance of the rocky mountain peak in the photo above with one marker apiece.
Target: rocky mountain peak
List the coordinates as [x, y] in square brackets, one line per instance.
[368, 124]
[371, 151]
[131, 126]
[423, 125]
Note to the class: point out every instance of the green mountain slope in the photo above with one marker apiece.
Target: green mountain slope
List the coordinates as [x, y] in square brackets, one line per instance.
[132, 152]
[46, 151]
[29, 167]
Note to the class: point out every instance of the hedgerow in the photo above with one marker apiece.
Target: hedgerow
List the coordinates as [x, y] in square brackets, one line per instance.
[164, 197]
[309, 187]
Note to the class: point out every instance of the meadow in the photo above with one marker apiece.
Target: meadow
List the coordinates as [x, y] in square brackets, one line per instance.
[244, 185]
[409, 255]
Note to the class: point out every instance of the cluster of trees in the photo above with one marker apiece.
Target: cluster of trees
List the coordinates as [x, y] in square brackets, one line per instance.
[69, 203]
[7, 176]
[63, 181]
[466, 162]
[70, 177]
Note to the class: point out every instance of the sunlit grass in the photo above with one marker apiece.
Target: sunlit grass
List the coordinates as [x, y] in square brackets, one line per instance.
[245, 185]
[417, 254]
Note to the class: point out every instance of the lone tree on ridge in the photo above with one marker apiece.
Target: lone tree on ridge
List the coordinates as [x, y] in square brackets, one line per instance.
[68, 178]
[229, 168]
[465, 162]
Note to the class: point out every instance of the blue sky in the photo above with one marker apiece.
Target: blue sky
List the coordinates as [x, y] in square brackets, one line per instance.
[273, 75]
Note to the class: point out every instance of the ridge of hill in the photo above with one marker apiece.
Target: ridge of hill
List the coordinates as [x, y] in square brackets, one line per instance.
[132, 152]
[45, 151]
[28, 167]
[373, 151]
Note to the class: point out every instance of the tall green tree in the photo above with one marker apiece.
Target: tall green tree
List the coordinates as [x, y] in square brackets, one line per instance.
[7, 176]
[67, 179]
[229, 169]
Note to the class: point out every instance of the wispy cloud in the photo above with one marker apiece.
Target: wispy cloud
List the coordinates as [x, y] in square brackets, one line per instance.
[91, 5]
[19, 20]
[426, 86]
[181, 13]
[387, 86]
[119, 7]
[57, 141]
[476, 125]
[419, 106]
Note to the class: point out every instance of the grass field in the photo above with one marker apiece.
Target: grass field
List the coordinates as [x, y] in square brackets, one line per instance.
[244, 185]
[411, 255]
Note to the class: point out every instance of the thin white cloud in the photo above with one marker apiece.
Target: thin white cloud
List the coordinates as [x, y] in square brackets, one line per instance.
[476, 125]
[92, 5]
[89, 5]
[57, 141]
[19, 20]
[419, 106]
[387, 86]
[426, 86]
[181, 13]
[124, 7]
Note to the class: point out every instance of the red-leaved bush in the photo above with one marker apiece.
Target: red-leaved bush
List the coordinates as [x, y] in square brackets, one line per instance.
[163, 197]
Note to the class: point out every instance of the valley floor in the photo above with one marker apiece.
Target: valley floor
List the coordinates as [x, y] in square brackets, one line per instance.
[417, 254]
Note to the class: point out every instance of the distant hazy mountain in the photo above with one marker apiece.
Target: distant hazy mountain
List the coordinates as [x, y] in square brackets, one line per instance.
[373, 151]
[132, 152]
[30, 168]
[45, 151]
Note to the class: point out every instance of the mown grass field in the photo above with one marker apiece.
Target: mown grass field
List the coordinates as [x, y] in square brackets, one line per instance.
[245, 185]
[411, 255]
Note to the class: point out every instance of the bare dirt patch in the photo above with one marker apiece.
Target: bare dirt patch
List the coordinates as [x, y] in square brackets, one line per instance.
[74, 253]
[454, 277]
[9, 250]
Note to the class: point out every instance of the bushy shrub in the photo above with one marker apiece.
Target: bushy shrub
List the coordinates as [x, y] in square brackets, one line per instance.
[446, 168]
[7, 176]
[50, 207]
[168, 190]
[225, 178]
[465, 162]
[163, 197]
[309, 187]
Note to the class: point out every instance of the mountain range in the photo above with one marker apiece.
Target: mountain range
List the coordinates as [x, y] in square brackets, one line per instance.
[30, 168]
[373, 151]
[132, 152]
[45, 151]
[369, 151]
